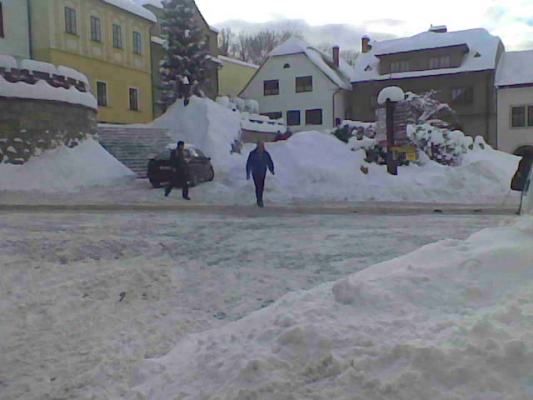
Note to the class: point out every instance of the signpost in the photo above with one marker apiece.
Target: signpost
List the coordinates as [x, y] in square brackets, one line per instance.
[391, 127]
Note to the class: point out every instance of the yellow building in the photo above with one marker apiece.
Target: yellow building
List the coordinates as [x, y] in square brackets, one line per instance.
[234, 76]
[107, 40]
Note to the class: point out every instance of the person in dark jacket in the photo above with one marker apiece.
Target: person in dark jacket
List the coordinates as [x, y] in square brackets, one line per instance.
[258, 162]
[521, 175]
[180, 171]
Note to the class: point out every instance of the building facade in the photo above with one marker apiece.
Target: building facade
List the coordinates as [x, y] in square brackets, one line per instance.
[459, 66]
[108, 41]
[211, 88]
[514, 84]
[14, 28]
[300, 84]
[234, 75]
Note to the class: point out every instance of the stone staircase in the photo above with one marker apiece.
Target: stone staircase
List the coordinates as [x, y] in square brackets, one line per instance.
[133, 146]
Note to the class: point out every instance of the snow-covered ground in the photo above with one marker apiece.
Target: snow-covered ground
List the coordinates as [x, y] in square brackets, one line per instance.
[452, 320]
[86, 298]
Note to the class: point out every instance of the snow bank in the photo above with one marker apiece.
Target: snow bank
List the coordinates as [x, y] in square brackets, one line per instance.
[317, 167]
[205, 124]
[65, 170]
[449, 321]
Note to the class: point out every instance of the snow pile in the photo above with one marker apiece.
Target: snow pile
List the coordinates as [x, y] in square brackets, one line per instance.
[205, 124]
[64, 169]
[449, 321]
[238, 104]
[317, 167]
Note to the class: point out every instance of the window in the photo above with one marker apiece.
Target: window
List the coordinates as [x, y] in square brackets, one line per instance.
[70, 21]
[304, 84]
[134, 99]
[518, 117]
[293, 118]
[117, 36]
[439, 62]
[96, 29]
[463, 95]
[101, 94]
[1, 21]
[271, 88]
[530, 116]
[399, 66]
[313, 117]
[137, 43]
[274, 115]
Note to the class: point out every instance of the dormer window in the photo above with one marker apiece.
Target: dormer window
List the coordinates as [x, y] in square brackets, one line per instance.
[368, 68]
[399, 66]
[477, 55]
[286, 66]
[439, 62]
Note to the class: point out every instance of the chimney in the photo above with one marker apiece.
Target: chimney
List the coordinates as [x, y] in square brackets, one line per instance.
[336, 56]
[438, 28]
[365, 44]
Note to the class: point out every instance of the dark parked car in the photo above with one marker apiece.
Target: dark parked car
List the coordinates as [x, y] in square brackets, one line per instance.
[200, 168]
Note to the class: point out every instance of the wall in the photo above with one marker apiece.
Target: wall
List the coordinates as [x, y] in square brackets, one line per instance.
[234, 76]
[321, 97]
[419, 60]
[16, 29]
[478, 118]
[510, 139]
[28, 127]
[120, 68]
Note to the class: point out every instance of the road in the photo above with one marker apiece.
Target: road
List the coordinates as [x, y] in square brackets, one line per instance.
[87, 296]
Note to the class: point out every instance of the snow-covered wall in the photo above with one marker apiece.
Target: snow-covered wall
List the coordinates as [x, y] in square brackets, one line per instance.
[29, 126]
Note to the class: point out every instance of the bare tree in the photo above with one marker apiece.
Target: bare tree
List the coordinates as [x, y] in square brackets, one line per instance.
[225, 39]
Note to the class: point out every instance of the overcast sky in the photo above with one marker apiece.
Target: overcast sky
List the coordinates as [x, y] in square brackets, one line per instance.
[512, 20]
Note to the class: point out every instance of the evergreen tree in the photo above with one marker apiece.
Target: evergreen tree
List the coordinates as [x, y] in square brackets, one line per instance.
[184, 69]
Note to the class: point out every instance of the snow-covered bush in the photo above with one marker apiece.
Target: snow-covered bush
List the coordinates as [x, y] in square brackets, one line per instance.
[444, 146]
[358, 129]
[237, 104]
[426, 108]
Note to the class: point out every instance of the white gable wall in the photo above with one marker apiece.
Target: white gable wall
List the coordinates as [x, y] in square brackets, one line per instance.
[509, 138]
[320, 98]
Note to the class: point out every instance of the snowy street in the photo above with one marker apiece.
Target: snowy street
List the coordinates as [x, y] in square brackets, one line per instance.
[85, 298]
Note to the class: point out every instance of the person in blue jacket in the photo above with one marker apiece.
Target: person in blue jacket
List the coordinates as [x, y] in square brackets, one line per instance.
[258, 162]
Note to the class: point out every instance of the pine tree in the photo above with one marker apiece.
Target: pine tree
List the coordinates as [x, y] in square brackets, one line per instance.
[184, 69]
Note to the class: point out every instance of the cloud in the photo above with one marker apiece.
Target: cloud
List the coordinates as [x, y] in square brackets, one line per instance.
[510, 19]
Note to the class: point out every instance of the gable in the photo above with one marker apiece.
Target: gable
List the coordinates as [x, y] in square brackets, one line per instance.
[273, 69]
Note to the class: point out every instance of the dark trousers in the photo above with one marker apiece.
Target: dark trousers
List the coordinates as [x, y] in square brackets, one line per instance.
[259, 181]
[177, 182]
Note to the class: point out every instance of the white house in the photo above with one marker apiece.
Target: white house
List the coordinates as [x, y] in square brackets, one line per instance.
[299, 83]
[514, 82]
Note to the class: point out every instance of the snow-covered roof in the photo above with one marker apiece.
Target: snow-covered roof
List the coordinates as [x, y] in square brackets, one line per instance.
[159, 4]
[515, 68]
[340, 76]
[8, 62]
[483, 50]
[38, 66]
[238, 62]
[43, 91]
[72, 73]
[133, 8]
[158, 40]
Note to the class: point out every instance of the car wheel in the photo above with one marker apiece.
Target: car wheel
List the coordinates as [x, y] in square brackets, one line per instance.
[155, 184]
[211, 175]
